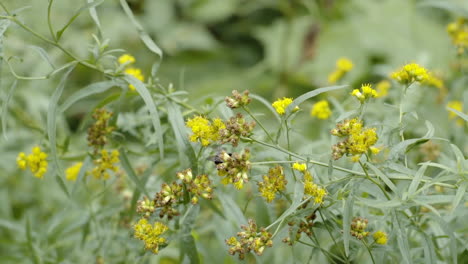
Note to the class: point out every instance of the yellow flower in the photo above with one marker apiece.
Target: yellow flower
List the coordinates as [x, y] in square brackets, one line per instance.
[126, 59]
[205, 131]
[457, 105]
[432, 80]
[410, 73]
[458, 32]
[343, 65]
[280, 105]
[321, 110]
[36, 161]
[104, 163]
[312, 189]
[299, 166]
[272, 183]
[365, 93]
[151, 235]
[71, 172]
[135, 72]
[380, 237]
[382, 88]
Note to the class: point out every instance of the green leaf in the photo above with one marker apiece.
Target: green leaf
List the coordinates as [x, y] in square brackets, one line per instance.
[143, 35]
[401, 239]
[347, 216]
[81, 174]
[5, 108]
[89, 90]
[459, 195]
[94, 16]
[148, 99]
[429, 250]
[52, 117]
[383, 177]
[77, 13]
[416, 180]
[43, 55]
[178, 127]
[267, 104]
[232, 210]
[311, 94]
[458, 113]
[447, 228]
[61, 183]
[460, 158]
[188, 245]
[130, 172]
[448, 6]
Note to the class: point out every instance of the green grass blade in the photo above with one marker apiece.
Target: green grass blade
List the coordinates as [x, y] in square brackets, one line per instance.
[5, 108]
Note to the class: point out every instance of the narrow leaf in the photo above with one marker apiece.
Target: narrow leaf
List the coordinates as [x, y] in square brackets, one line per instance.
[311, 94]
[130, 172]
[383, 177]
[77, 13]
[347, 215]
[459, 195]
[416, 180]
[94, 88]
[5, 108]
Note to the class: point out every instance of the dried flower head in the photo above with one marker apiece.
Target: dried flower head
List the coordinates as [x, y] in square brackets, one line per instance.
[237, 100]
[251, 239]
[100, 129]
[234, 168]
[358, 228]
[235, 128]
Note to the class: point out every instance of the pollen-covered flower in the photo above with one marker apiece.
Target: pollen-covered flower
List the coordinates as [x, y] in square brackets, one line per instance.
[235, 128]
[135, 72]
[343, 66]
[382, 88]
[358, 139]
[272, 183]
[204, 131]
[280, 105]
[71, 173]
[380, 237]
[321, 110]
[150, 234]
[100, 129]
[234, 167]
[457, 105]
[126, 59]
[312, 189]
[358, 228]
[410, 73]
[302, 167]
[365, 93]
[105, 163]
[237, 100]
[250, 239]
[36, 161]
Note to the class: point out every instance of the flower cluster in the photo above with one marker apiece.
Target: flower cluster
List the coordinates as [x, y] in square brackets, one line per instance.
[36, 161]
[168, 198]
[272, 183]
[312, 189]
[343, 66]
[281, 105]
[434, 81]
[71, 173]
[321, 110]
[251, 239]
[410, 73]
[235, 128]
[365, 93]
[234, 168]
[237, 100]
[358, 139]
[125, 60]
[458, 31]
[382, 88]
[150, 234]
[358, 228]
[302, 167]
[98, 131]
[145, 207]
[199, 186]
[303, 225]
[105, 163]
[205, 131]
[380, 237]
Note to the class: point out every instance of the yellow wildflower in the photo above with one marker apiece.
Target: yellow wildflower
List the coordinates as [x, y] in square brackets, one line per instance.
[150, 234]
[382, 88]
[321, 110]
[126, 59]
[104, 163]
[205, 131]
[312, 189]
[280, 105]
[457, 105]
[343, 65]
[380, 237]
[272, 183]
[299, 166]
[365, 93]
[36, 161]
[135, 72]
[410, 73]
[458, 32]
[71, 172]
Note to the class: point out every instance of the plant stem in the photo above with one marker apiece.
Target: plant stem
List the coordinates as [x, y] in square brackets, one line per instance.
[368, 250]
[247, 110]
[374, 181]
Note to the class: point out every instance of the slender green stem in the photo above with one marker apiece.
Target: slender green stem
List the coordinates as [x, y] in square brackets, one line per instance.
[368, 250]
[325, 252]
[374, 181]
[400, 122]
[299, 157]
[49, 20]
[247, 110]
[4, 8]
[331, 235]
